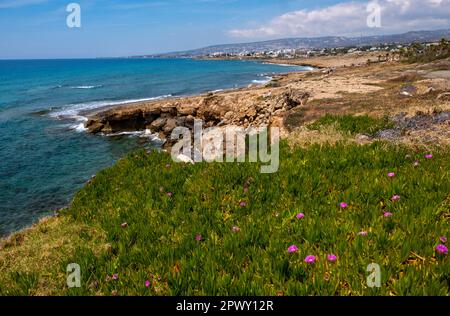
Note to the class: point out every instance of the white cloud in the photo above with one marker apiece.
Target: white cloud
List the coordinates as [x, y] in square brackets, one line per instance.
[349, 18]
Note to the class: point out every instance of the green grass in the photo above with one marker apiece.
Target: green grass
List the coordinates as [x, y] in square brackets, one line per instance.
[159, 241]
[353, 125]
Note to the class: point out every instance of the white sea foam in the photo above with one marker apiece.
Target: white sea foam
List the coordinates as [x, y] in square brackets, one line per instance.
[86, 87]
[263, 81]
[78, 127]
[154, 137]
[72, 111]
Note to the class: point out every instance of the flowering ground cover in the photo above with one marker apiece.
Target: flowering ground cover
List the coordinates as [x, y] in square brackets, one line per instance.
[311, 228]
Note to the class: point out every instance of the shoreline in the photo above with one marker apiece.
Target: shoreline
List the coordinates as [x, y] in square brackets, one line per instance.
[309, 84]
[250, 85]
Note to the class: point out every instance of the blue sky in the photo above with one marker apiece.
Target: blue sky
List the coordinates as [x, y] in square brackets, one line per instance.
[37, 28]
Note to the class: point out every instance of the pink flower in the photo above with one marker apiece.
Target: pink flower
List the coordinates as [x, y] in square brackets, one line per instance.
[310, 259]
[242, 204]
[300, 215]
[169, 194]
[198, 237]
[442, 249]
[443, 239]
[123, 225]
[395, 198]
[292, 249]
[391, 174]
[362, 233]
[429, 156]
[235, 229]
[387, 214]
[344, 205]
[147, 283]
[115, 276]
[416, 163]
[331, 257]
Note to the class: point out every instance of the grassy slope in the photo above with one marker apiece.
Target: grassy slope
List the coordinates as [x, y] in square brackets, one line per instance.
[159, 241]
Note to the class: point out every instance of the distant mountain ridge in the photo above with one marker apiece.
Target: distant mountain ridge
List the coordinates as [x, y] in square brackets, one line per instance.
[313, 43]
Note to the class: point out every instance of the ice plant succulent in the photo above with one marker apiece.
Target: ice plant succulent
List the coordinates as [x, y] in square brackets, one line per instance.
[300, 215]
[292, 249]
[310, 259]
[441, 249]
[331, 257]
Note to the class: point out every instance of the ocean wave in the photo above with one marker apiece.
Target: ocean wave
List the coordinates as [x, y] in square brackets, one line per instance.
[263, 81]
[73, 111]
[154, 137]
[86, 87]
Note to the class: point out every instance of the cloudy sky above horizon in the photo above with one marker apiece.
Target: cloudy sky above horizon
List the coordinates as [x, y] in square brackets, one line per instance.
[37, 28]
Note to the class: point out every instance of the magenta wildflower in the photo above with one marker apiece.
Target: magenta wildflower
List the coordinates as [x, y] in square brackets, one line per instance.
[292, 249]
[391, 174]
[395, 198]
[429, 156]
[331, 257]
[310, 259]
[169, 194]
[242, 204]
[123, 225]
[362, 233]
[300, 215]
[442, 249]
[235, 229]
[115, 276]
[198, 237]
[147, 283]
[387, 214]
[343, 205]
[443, 239]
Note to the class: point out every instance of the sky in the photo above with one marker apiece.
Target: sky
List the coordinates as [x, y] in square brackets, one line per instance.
[113, 28]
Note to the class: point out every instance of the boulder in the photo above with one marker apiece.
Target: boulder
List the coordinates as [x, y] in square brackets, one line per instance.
[170, 125]
[94, 126]
[158, 124]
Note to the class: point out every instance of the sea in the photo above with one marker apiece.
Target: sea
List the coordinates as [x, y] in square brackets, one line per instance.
[46, 154]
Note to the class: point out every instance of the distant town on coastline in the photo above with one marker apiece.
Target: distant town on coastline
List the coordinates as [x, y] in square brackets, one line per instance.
[291, 48]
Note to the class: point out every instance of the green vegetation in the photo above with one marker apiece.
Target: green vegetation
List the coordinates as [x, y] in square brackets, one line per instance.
[426, 53]
[226, 228]
[353, 125]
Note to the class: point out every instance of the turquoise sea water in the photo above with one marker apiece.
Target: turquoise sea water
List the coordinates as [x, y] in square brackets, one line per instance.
[45, 156]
